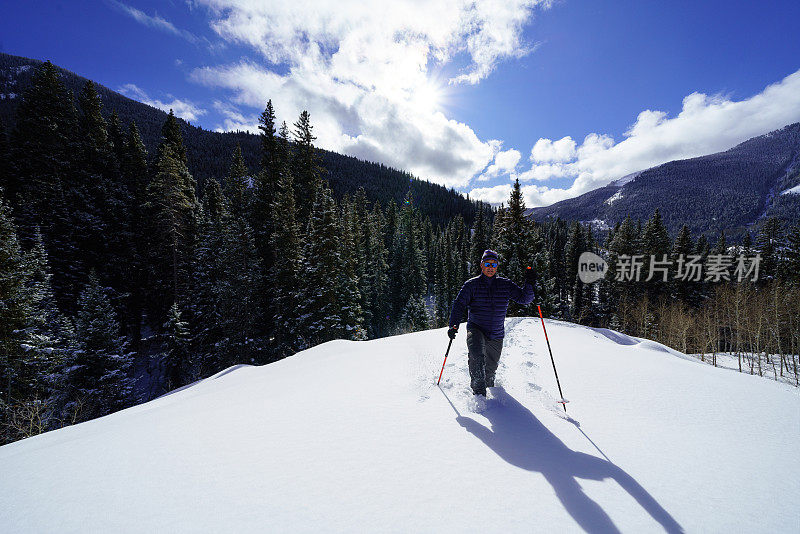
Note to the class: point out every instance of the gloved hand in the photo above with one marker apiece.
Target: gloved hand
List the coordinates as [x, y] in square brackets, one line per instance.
[451, 332]
[530, 276]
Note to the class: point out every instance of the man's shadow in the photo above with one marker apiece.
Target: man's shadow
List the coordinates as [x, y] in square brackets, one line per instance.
[519, 438]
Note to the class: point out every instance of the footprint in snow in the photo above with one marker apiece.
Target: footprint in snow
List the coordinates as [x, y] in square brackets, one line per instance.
[534, 386]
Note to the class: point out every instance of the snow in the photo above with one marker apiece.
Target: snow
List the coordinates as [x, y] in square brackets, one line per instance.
[599, 224]
[793, 190]
[356, 437]
[626, 179]
[616, 196]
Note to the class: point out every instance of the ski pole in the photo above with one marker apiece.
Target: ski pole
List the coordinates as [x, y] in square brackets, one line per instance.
[445, 361]
[562, 401]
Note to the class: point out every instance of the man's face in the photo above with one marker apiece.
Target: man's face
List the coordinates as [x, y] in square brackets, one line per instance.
[489, 267]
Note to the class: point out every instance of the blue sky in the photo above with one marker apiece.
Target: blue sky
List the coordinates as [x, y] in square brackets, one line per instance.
[565, 95]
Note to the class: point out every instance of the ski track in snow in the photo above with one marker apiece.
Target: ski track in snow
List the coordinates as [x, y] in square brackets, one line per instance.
[520, 357]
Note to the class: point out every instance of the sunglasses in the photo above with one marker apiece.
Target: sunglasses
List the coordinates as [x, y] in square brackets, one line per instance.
[490, 264]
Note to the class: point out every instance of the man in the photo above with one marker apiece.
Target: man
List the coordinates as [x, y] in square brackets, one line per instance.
[486, 296]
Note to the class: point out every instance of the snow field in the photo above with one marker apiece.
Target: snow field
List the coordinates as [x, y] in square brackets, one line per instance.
[357, 437]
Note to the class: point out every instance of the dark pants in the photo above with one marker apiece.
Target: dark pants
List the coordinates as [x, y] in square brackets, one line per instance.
[484, 355]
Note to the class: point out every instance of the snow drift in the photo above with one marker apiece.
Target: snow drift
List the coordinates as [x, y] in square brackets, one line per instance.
[356, 437]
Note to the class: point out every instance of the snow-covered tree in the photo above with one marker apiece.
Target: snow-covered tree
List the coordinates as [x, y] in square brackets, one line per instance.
[319, 312]
[98, 373]
[176, 359]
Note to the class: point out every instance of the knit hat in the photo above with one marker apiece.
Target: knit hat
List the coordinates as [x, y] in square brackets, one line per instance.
[489, 255]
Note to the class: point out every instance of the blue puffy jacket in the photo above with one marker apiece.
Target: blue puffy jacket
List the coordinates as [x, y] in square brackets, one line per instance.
[487, 301]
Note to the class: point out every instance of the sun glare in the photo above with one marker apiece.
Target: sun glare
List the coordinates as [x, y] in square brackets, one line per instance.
[427, 96]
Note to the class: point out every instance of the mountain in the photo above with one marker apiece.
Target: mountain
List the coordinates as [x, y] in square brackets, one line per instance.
[356, 437]
[209, 153]
[731, 190]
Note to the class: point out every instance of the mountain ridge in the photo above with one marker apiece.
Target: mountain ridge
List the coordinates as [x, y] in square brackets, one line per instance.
[732, 190]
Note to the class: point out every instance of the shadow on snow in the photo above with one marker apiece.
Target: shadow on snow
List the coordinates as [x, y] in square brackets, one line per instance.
[517, 436]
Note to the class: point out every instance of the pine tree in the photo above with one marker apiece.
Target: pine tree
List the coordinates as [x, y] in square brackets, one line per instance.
[263, 219]
[349, 297]
[414, 316]
[135, 175]
[41, 341]
[17, 307]
[116, 136]
[459, 253]
[171, 208]
[50, 335]
[176, 359]
[171, 137]
[237, 184]
[305, 165]
[408, 265]
[97, 375]
[42, 139]
[204, 307]
[376, 280]
[624, 243]
[44, 182]
[358, 215]
[452, 282]
[428, 241]
[479, 241]
[102, 224]
[655, 245]
[94, 128]
[319, 312]
[236, 296]
[286, 247]
[683, 247]
[576, 245]
[217, 206]
[440, 282]
[517, 251]
[558, 287]
[591, 313]
[500, 239]
[270, 158]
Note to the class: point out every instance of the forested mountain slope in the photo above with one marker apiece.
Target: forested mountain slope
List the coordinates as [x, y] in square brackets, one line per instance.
[731, 191]
[209, 153]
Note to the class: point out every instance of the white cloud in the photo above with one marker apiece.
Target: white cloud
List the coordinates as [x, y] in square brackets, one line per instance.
[546, 150]
[507, 160]
[545, 171]
[153, 21]
[234, 119]
[705, 125]
[504, 163]
[533, 195]
[493, 195]
[182, 108]
[368, 77]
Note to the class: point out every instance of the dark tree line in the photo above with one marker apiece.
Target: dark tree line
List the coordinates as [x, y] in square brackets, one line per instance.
[209, 153]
